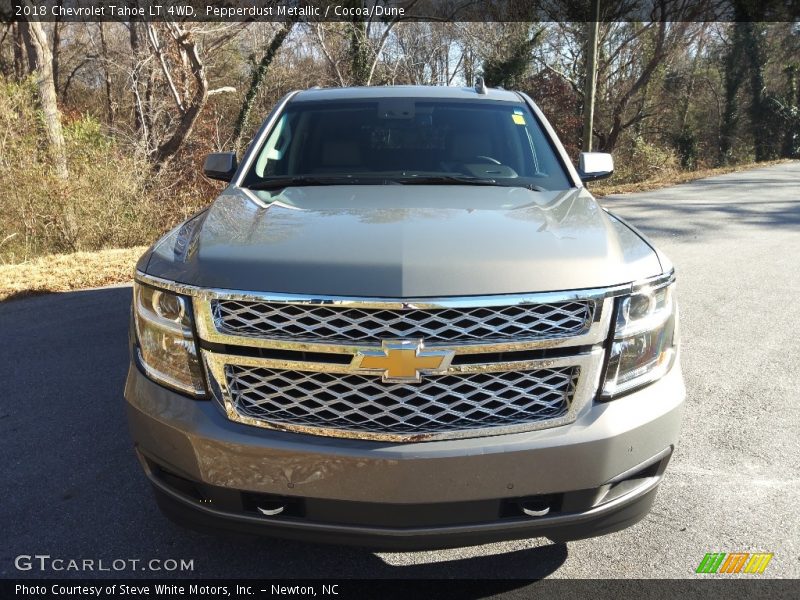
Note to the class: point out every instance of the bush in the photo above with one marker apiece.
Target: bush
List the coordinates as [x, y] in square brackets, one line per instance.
[639, 161]
[112, 198]
[686, 146]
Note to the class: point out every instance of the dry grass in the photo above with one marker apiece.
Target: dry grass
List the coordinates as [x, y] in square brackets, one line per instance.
[673, 178]
[64, 272]
[112, 198]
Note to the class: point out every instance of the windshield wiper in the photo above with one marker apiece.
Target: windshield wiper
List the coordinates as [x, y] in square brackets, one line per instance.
[276, 183]
[534, 188]
[444, 180]
[463, 180]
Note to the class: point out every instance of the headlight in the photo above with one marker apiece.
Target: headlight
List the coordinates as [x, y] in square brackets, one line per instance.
[166, 346]
[645, 339]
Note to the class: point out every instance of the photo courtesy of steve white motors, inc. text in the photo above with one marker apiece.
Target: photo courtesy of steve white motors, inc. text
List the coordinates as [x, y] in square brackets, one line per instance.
[161, 589]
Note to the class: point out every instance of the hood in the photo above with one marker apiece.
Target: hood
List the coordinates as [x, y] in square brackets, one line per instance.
[402, 241]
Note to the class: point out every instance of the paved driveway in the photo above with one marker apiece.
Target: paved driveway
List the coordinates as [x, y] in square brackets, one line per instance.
[72, 488]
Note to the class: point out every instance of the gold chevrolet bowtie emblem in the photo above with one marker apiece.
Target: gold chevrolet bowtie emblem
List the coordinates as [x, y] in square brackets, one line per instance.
[402, 361]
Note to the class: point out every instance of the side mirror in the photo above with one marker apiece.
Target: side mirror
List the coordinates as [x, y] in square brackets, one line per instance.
[595, 165]
[220, 165]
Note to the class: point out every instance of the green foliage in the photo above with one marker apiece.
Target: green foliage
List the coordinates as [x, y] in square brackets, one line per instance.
[86, 135]
[507, 72]
[510, 68]
[686, 146]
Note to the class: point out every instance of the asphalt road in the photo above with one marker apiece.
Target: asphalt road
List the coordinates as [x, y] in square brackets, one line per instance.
[72, 488]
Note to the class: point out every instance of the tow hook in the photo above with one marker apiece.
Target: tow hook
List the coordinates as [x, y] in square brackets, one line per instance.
[270, 511]
[531, 512]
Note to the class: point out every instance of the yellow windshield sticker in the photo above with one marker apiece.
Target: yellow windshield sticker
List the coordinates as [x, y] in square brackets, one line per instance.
[518, 119]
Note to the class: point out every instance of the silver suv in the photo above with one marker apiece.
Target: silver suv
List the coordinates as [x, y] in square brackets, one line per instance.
[405, 323]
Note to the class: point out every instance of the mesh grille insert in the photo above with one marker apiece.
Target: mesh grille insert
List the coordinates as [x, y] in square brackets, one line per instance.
[332, 323]
[442, 403]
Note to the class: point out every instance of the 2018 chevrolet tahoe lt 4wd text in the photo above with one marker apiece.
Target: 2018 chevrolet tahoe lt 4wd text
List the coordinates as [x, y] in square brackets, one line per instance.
[405, 323]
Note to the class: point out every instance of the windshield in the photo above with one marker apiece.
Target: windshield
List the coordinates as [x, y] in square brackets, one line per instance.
[407, 140]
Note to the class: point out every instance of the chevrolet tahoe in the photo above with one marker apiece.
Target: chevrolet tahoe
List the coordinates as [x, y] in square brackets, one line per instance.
[405, 323]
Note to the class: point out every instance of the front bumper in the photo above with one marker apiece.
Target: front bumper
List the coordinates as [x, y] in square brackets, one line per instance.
[596, 475]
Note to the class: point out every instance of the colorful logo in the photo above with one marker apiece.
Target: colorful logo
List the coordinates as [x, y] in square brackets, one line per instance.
[734, 562]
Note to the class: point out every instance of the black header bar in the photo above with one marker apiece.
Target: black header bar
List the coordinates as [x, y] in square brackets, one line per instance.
[386, 589]
[388, 10]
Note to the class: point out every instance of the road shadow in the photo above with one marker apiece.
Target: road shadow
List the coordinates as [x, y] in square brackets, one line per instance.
[666, 217]
[78, 491]
[770, 202]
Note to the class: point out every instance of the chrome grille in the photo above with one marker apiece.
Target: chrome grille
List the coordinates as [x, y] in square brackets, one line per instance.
[443, 403]
[332, 323]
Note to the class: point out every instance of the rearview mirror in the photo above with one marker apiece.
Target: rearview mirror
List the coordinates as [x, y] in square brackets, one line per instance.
[595, 165]
[220, 165]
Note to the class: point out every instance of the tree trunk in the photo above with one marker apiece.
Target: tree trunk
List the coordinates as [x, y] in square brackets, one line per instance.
[359, 46]
[20, 54]
[255, 84]
[590, 80]
[40, 59]
[759, 111]
[684, 119]
[139, 120]
[111, 109]
[30, 53]
[469, 67]
[56, 45]
[734, 75]
[167, 150]
[791, 140]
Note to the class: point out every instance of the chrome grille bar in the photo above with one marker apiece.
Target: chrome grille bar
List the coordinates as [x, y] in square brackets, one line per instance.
[333, 323]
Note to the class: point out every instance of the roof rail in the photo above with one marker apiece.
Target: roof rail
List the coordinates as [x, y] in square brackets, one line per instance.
[480, 86]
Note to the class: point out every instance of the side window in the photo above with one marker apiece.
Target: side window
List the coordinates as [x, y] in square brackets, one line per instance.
[274, 151]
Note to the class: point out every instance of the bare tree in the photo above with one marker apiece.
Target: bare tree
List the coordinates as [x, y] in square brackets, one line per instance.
[357, 46]
[40, 59]
[138, 56]
[111, 108]
[428, 53]
[189, 111]
[56, 47]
